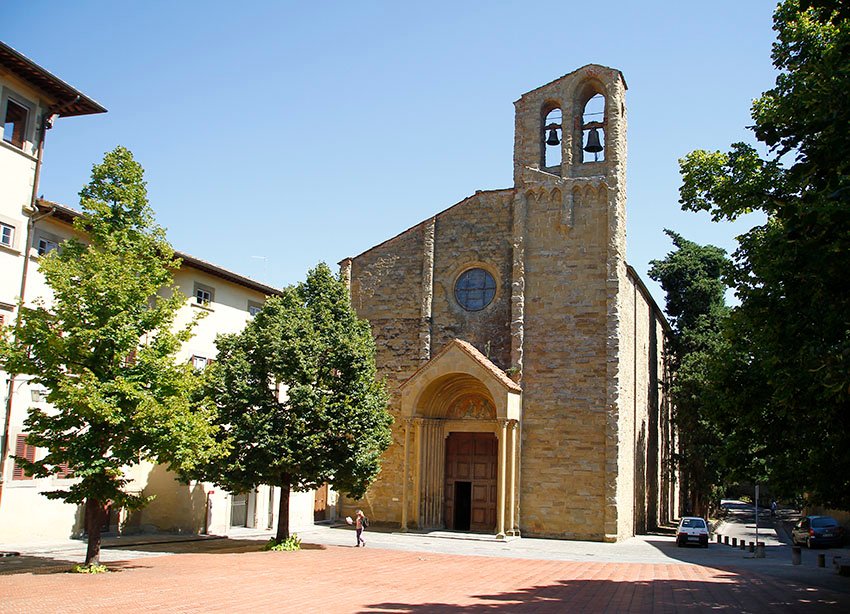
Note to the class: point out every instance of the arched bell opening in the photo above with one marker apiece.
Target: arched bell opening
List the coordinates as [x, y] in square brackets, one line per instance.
[552, 137]
[593, 130]
[592, 123]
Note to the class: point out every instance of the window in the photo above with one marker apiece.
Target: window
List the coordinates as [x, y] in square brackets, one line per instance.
[25, 451]
[15, 123]
[204, 295]
[475, 289]
[254, 308]
[45, 245]
[200, 363]
[7, 234]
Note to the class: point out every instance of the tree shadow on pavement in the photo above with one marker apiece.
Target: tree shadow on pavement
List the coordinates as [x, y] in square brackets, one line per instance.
[35, 565]
[212, 546]
[729, 593]
[48, 564]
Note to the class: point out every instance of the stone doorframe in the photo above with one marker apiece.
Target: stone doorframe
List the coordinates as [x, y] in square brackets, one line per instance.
[458, 390]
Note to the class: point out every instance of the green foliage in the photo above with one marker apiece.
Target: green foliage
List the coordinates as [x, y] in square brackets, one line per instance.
[290, 544]
[105, 346]
[783, 385]
[298, 399]
[692, 278]
[90, 569]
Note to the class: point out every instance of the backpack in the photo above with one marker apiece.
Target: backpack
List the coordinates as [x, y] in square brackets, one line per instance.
[364, 522]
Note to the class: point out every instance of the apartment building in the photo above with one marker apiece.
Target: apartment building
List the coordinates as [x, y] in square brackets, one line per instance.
[31, 100]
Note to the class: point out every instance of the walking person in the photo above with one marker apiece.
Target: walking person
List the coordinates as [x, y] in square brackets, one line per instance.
[360, 523]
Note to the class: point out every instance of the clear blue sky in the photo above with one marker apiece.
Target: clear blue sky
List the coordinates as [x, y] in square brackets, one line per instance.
[279, 134]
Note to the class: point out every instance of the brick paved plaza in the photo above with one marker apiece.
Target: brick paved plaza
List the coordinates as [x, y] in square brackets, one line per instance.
[237, 578]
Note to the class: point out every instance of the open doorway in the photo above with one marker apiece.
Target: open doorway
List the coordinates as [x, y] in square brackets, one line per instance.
[463, 506]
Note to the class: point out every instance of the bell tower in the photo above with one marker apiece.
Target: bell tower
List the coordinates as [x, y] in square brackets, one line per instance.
[573, 127]
[569, 284]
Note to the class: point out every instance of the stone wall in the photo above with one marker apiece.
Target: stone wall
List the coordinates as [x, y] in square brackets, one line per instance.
[405, 288]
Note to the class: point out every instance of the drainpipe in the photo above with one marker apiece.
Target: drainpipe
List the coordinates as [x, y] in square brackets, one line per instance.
[47, 120]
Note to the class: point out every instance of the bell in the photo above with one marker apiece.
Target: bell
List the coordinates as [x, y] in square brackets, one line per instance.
[593, 144]
[553, 137]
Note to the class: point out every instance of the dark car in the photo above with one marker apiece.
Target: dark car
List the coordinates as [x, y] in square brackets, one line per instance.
[817, 531]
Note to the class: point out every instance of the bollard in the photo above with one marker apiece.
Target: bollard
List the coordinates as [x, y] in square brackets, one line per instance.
[821, 560]
[796, 555]
[743, 544]
[836, 561]
[726, 539]
[752, 547]
[717, 537]
[734, 542]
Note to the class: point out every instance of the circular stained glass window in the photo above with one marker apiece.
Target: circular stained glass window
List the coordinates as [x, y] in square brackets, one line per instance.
[475, 289]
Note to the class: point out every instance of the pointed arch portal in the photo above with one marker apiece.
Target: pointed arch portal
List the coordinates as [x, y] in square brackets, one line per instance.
[462, 415]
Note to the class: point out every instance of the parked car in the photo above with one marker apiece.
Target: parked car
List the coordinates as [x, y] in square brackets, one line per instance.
[817, 531]
[692, 530]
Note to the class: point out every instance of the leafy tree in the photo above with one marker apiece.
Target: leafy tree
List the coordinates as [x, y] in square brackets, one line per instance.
[104, 348]
[692, 277]
[297, 395]
[785, 382]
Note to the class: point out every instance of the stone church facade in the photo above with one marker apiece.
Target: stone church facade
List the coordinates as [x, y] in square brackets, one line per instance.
[524, 355]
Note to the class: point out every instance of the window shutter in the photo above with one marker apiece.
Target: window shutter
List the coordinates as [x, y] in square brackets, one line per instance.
[130, 358]
[26, 451]
[64, 472]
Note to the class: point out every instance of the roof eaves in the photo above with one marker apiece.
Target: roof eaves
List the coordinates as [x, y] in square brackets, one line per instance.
[76, 103]
[68, 215]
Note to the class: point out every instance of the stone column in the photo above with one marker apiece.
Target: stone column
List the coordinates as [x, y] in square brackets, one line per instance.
[345, 270]
[417, 471]
[427, 290]
[404, 475]
[512, 469]
[518, 285]
[431, 456]
[500, 510]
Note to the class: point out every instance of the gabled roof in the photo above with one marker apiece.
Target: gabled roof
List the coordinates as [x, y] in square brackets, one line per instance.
[74, 101]
[477, 357]
[569, 74]
[466, 200]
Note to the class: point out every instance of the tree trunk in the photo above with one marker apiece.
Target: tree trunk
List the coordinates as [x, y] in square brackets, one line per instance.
[283, 510]
[94, 520]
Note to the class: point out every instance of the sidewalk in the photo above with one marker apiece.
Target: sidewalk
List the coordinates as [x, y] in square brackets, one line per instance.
[410, 573]
[647, 549]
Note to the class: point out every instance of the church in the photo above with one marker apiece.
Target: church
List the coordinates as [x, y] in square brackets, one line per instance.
[524, 356]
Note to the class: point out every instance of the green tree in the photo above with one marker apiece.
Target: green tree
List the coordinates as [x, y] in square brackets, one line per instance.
[104, 348]
[298, 399]
[692, 278]
[785, 383]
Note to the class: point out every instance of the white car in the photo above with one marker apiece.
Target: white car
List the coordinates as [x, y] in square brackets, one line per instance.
[692, 530]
